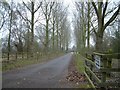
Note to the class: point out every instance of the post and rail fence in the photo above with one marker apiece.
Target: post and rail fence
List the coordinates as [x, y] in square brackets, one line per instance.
[100, 71]
[25, 56]
[19, 56]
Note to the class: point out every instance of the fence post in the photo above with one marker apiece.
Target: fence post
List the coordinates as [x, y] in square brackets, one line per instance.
[91, 66]
[37, 55]
[28, 55]
[86, 63]
[22, 55]
[16, 56]
[104, 75]
[109, 65]
[8, 56]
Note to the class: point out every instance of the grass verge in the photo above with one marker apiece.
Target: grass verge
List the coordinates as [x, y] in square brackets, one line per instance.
[80, 67]
[24, 62]
[79, 63]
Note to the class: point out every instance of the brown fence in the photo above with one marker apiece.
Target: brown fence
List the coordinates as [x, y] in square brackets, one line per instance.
[100, 71]
[25, 55]
[20, 56]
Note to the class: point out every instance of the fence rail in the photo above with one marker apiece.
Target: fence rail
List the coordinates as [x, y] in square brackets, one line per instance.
[23, 55]
[99, 75]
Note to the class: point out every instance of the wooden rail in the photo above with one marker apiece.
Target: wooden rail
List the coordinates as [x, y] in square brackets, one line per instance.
[20, 56]
[104, 69]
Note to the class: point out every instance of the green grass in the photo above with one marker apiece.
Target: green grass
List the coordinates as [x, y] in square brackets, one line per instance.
[80, 67]
[79, 63]
[24, 62]
[17, 64]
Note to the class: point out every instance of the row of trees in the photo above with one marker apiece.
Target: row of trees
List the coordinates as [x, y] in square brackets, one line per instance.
[34, 26]
[44, 26]
[92, 21]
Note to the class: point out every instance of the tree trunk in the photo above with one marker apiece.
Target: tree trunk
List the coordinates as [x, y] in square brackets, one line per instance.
[57, 34]
[46, 36]
[88, 32]
[99, 42]
[9, 48]
[100, 32]
[60, 42]
[53, 35]
[32, 30]
[28, 41]
[83, 27]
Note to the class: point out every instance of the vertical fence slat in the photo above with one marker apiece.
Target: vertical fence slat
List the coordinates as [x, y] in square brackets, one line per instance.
[8, 57]
[109, 65]
[104, 59]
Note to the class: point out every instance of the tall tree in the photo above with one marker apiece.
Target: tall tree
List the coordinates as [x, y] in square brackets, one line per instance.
[10, 11]
[80, 26]
[47, 11]
[101, 12]
[32, 10]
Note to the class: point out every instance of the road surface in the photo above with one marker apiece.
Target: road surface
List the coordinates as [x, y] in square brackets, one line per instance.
[45, 75]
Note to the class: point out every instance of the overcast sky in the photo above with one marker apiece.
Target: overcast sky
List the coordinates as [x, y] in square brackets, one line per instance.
[71, 8]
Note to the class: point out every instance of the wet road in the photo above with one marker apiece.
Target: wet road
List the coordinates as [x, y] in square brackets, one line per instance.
[45, 75]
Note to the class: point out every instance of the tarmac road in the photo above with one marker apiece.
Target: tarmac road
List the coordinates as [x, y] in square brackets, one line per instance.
[45, 75]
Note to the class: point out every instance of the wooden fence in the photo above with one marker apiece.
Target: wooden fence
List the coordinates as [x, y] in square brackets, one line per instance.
[99, 69]
[23, 55]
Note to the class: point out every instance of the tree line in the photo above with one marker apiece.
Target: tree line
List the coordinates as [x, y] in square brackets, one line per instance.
[34, 26]
[44, 26]
[97, 26]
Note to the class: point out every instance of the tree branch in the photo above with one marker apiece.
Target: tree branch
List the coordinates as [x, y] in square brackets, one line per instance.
[2, 22]
[112, 18]
[27, 7]
[110, 11]
[93, 28]
[38, 7]
[23, 17]
[50, 10]
[43, 11]
[105, 8]
[96, 10]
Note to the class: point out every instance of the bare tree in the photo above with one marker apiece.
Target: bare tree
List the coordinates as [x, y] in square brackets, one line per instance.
[32, 10]
[101, 12]
[81, 24]
[10, 11]
[47, 11]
